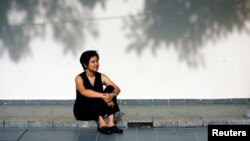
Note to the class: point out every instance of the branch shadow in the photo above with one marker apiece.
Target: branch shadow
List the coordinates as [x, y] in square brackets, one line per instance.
[22, 20]
[186, 25]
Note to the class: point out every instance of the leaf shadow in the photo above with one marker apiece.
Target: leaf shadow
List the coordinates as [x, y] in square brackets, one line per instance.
[185, 25]
[23, 20]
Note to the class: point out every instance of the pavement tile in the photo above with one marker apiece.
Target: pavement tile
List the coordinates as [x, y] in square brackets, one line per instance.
[201, 133]
[186, 134]
[129, 134]
[91, 134]
[50, 134]
[102, 137]
[87, 137]
[146, 137]
[11, 134]
[164, 134]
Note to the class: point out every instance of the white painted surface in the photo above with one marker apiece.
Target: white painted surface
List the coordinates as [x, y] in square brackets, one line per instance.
[44, 66]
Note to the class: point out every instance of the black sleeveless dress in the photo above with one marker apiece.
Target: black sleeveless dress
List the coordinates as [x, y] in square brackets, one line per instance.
[90, 108]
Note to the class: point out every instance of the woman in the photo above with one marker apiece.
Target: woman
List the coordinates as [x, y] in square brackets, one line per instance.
[92, 102]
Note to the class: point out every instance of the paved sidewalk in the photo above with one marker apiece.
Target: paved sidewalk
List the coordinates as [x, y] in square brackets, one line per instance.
[90, 134]
[159, 116]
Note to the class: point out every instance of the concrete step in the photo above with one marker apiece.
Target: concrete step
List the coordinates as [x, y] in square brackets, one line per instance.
[61, 116]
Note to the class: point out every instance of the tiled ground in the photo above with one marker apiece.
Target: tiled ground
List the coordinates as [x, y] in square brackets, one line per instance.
[90, 134]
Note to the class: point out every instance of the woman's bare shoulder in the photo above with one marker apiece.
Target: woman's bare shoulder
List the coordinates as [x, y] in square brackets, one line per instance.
[78, 78]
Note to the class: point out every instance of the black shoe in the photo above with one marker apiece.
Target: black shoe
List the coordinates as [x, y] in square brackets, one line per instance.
[104, 130]
[115, 129]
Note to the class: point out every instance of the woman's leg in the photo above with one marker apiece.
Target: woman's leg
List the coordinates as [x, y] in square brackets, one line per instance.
[101, 122]
[110, 120]
[110, 111]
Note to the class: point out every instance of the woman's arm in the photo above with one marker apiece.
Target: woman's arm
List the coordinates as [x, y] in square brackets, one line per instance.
[106, 81]
[90, 93]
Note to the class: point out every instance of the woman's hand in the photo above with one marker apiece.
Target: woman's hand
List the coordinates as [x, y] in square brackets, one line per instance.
[111, 104]
[107, 97]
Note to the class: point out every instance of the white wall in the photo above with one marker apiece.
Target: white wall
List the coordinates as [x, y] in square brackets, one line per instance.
[152, 50]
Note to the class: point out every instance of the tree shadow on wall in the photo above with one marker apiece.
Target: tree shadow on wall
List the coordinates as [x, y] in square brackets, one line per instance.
[186, 25]
[22, 20]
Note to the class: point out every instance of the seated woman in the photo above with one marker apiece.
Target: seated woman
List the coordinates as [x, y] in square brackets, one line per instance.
[92, 102]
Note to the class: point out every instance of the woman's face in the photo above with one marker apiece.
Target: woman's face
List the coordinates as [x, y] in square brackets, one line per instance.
[93, 64]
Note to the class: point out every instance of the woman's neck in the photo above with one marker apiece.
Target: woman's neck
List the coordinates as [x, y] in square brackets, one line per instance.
[90, 73]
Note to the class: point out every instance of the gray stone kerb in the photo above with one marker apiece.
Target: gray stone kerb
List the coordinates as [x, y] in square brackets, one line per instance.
[172, 113]
[158, 122]
[134, 101]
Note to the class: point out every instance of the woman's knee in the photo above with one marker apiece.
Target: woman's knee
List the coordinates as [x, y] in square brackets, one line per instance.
[109, 89]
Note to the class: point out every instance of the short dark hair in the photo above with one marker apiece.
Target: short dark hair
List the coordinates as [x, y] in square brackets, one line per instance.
[85, 57]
